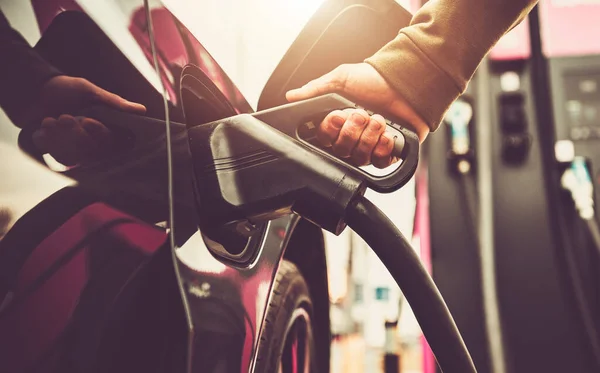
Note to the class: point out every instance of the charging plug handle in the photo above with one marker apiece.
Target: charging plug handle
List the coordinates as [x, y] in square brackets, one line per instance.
[290, 119]
[246, 169]
[255, 167]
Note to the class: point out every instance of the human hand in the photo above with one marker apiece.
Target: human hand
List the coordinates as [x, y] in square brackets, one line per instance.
[64, 94]
[72, 140]
[352, 133]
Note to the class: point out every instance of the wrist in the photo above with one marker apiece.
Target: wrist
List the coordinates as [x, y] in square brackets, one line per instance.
[419, 126]
[413, 120]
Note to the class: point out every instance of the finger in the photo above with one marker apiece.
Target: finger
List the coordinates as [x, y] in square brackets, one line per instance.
[66, 122]
[70, 143]
[330, 127]
[99, 134]
[101, 96]
[48, 122]
[350, 133]
[41, 137]
[382, 154]
[331, 82]
[81, 148]
[94, 128]
[40, 140]
[361, 155]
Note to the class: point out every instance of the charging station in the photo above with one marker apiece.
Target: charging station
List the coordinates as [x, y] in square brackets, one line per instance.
[536, 98]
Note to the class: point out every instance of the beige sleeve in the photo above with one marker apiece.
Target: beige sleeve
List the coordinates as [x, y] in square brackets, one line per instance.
[431, 61]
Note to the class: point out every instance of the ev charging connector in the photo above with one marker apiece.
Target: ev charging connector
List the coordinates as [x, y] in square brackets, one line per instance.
[255, 167]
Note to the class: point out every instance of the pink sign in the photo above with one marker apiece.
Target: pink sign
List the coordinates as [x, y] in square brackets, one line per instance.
[513, 46]
[570, 27]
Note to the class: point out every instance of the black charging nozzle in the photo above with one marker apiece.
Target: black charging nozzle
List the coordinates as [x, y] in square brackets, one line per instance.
[255, 167]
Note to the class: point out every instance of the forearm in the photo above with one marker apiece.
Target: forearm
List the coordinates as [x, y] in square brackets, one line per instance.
[431, 61]
[22, 72]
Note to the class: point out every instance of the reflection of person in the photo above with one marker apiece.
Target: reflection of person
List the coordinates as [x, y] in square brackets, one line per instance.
[34, 93]
[415, 77]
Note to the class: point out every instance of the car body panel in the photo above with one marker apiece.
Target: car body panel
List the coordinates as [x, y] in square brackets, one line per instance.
[121, 301]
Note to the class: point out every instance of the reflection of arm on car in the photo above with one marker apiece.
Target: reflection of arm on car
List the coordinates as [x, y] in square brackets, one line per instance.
[40, 99]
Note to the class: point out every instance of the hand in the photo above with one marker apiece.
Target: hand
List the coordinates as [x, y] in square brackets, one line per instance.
[352, 133]
[65, 94]
[72, 140]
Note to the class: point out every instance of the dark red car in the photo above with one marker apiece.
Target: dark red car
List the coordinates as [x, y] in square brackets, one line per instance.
[102, 265]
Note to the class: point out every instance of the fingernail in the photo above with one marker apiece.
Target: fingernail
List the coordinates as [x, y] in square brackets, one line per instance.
[338, 122]
[358, 119]
[384, 140]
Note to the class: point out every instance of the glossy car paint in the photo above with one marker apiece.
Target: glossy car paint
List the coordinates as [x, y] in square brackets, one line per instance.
[64, 307]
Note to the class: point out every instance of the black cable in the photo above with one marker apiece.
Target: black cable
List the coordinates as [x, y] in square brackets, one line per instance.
[468, 193]
[416, 284]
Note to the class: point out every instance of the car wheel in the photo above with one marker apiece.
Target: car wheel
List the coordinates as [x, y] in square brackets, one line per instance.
[287, 343]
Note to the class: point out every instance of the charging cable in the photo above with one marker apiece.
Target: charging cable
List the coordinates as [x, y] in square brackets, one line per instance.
[430, 310]
[576, 179]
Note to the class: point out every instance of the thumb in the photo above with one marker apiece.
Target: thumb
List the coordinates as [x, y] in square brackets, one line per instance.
[332, 82]
[116, 101]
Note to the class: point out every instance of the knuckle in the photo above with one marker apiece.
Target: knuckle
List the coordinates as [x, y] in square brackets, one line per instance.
[340, 76]
[328, 130]
[381, 152]
[375, 126]
[349, 133]
[367, 143]
[333, 85]
[358, 120]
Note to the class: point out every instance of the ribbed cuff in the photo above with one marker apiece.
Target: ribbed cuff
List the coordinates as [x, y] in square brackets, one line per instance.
[426, 88]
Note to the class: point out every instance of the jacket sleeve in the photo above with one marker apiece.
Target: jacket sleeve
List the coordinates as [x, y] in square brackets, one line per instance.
[431, 61]
[22, 72]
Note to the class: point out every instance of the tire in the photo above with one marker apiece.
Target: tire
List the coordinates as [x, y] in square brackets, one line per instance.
[287, 340]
